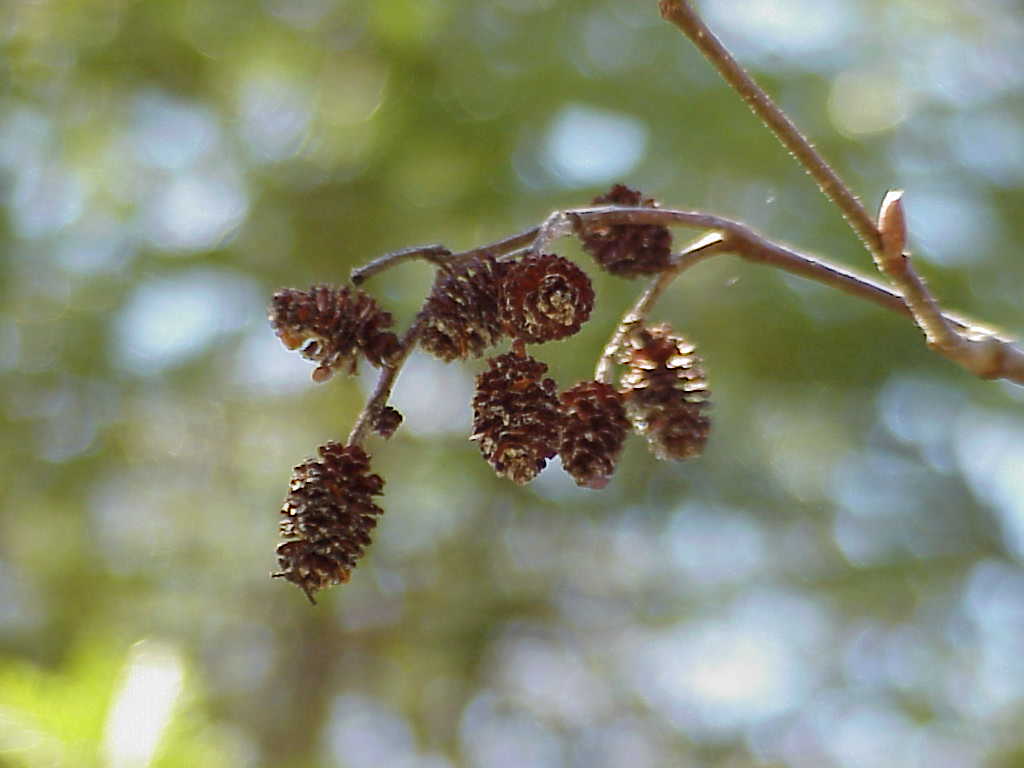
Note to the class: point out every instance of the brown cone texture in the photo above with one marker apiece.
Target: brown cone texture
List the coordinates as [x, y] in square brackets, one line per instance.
[594, 430]
[332, 326]
[665, 393]
[545, 297]
[628, 250]
[387, 421]
[516, 418]
[329, 514]
[461, 315]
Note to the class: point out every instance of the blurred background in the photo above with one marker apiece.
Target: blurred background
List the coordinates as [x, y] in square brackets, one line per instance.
[838, 581]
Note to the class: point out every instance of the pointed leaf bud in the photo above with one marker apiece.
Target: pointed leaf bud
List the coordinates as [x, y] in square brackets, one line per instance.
[892, 225]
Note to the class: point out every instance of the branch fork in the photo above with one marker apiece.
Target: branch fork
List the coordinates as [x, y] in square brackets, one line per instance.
[974, 349]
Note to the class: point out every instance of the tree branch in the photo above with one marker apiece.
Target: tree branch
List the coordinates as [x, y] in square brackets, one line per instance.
[432, 252]
[976, 349]
[385, 383]
[980, 353]
[438, 254]
[682, 15]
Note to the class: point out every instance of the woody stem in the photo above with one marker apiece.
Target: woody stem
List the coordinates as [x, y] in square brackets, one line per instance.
[1006, 360]
[682, 15]
[385, 383]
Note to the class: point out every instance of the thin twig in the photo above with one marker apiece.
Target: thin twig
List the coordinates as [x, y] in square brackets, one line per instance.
[694, 253]
[385, 383]
[683, 16]
[746, 243]
[516, 242]
[433, 252]
[438, 254]
[558, 224]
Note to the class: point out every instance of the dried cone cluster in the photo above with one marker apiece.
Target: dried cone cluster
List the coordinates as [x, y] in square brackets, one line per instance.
[594, 430]
[519, 420]
[665, 393]
[628, 250]
[329, 513]
[332, 326]
[516, 418]
[461, 315]
[545, 297]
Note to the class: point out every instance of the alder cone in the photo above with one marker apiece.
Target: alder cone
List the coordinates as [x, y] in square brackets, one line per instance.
[665, 393]
[545, 297]
[594, 430]
[628, 250]
[461, 315]
[516, 418]
[332, 326]
[386, 421]
[329, 514]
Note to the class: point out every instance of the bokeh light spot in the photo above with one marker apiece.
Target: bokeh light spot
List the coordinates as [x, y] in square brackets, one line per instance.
[586, 145]
[168, 320]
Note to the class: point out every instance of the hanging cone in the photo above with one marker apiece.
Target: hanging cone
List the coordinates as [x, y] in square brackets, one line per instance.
[628, 250]
[516, 418]
[329, 514]
[665, 393]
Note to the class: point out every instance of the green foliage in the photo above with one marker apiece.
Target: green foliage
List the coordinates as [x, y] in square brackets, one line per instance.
[60, 717]
[57, 717]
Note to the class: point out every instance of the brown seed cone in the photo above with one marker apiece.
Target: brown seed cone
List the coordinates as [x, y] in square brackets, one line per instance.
[387, 421]
[329, 513]
[628, 250]
[665, 393]
[516, 418]
[545, 297]
[461, 315]
[331, 326]
[594, 431]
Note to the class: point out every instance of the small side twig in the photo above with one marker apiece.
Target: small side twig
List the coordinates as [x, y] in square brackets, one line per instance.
[506, 245]
[385, 383]
[435, 253]
[559, 224]
[439, 255]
